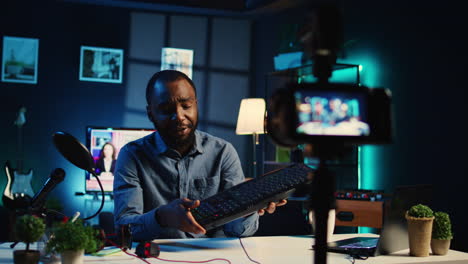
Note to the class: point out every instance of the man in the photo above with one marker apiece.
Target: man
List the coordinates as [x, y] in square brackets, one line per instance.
[161, 177]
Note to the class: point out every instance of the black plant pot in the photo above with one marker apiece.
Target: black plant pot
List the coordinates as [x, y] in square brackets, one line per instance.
[26, 256]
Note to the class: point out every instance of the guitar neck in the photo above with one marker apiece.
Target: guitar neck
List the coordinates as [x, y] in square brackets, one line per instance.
[19, 162]
[20, 121]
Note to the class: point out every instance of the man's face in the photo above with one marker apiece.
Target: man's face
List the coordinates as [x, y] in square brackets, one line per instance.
[174, 112]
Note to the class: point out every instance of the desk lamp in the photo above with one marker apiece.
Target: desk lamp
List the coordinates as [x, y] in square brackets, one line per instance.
[251, 121]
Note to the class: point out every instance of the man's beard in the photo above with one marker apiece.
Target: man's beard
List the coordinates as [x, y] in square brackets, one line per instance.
[174, 142]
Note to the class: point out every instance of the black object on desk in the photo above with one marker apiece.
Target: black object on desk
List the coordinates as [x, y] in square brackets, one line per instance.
[250, 196]
[147, 249]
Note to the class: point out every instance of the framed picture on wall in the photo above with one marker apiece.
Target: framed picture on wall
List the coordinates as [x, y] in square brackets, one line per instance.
[19, 60]
[177, 59]
[101, 64]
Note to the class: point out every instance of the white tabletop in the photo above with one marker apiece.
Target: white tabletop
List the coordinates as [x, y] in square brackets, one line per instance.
[277, 249]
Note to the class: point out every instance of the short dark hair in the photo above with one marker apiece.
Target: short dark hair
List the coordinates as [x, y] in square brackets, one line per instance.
[166, 76]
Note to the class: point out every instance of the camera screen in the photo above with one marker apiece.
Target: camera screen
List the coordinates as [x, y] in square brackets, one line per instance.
[331, 113]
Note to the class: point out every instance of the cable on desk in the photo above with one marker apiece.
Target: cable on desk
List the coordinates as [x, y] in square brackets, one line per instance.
[168, 260]
[193, 261]
[125, 251]
[133, 255]
[242, 244]
[353, 257]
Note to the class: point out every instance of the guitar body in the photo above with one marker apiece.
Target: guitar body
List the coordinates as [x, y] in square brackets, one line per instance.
[18, 190]
[21, 189]
[7, 197]
[22, 184]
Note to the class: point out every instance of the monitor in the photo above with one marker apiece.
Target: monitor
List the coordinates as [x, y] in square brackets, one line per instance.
[109, 141]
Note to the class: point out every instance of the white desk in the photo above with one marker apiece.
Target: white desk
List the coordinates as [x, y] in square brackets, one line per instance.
[266, 250]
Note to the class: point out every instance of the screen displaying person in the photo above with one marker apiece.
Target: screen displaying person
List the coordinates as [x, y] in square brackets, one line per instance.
[105, 165]
[161, 177]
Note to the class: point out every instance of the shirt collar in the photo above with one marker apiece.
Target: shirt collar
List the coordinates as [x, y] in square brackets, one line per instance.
[198, 147]
[161, 146]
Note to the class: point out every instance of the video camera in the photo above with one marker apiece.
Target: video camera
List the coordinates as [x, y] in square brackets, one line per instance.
[324, 112]
[330, 113]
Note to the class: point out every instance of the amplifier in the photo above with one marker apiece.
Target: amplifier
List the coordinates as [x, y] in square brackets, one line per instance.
[359, 213]
[360, 194]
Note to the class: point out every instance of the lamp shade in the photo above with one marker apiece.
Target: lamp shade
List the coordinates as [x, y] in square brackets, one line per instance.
[251, 117]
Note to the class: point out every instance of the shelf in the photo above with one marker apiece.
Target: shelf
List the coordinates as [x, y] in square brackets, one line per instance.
[308, 69]
[268, 162]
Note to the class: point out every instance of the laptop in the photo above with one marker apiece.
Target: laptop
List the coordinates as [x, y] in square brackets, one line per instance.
[394, 233]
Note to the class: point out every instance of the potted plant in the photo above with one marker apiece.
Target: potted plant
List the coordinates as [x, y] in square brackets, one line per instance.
[72, 240]
[441, 233]
[420, 218]
[28, 229]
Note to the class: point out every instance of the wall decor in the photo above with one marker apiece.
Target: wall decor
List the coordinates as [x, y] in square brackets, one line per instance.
[177, 59]
[20, 59]
[99, 64]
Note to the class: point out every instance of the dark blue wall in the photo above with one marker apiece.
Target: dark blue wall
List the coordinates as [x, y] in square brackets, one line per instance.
[420, 49]
[59, 101]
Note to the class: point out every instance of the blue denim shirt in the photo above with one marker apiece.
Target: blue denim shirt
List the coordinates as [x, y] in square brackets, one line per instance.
[148, 175]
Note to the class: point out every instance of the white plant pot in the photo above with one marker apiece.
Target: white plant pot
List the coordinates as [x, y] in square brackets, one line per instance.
[73, 256]
[440, 246]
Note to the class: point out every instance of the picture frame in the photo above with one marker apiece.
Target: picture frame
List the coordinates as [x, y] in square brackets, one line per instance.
[20, 59]
[98, 64]
[177, 59]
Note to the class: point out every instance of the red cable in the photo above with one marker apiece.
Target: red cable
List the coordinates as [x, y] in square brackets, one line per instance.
[168, 260]
[133, 255]
[125, 251]
[242, 244]
[194, 261]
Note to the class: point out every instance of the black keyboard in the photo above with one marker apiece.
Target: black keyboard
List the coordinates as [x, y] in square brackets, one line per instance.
[250, 196]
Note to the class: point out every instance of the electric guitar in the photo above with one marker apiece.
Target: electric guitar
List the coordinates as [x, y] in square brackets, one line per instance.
[18, 191]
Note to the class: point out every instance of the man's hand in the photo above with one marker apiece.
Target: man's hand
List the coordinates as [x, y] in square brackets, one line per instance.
[272, 207]
[177, 214]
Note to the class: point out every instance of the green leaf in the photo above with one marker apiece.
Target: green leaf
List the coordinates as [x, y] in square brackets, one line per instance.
[74, 236]
[29, 228]
[420, 211]
[442, 227]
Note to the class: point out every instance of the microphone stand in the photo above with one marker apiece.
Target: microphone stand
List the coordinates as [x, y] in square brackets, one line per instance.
[102, 193]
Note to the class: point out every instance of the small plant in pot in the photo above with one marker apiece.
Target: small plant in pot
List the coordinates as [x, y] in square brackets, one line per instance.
[28, 229]
[72, 240]
[420, 218]
[441, 234]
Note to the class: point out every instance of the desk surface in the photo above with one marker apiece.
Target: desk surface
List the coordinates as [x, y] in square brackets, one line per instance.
[279, 249]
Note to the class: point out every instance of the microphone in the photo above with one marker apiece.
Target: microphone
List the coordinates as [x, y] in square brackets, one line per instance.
[56, 177]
